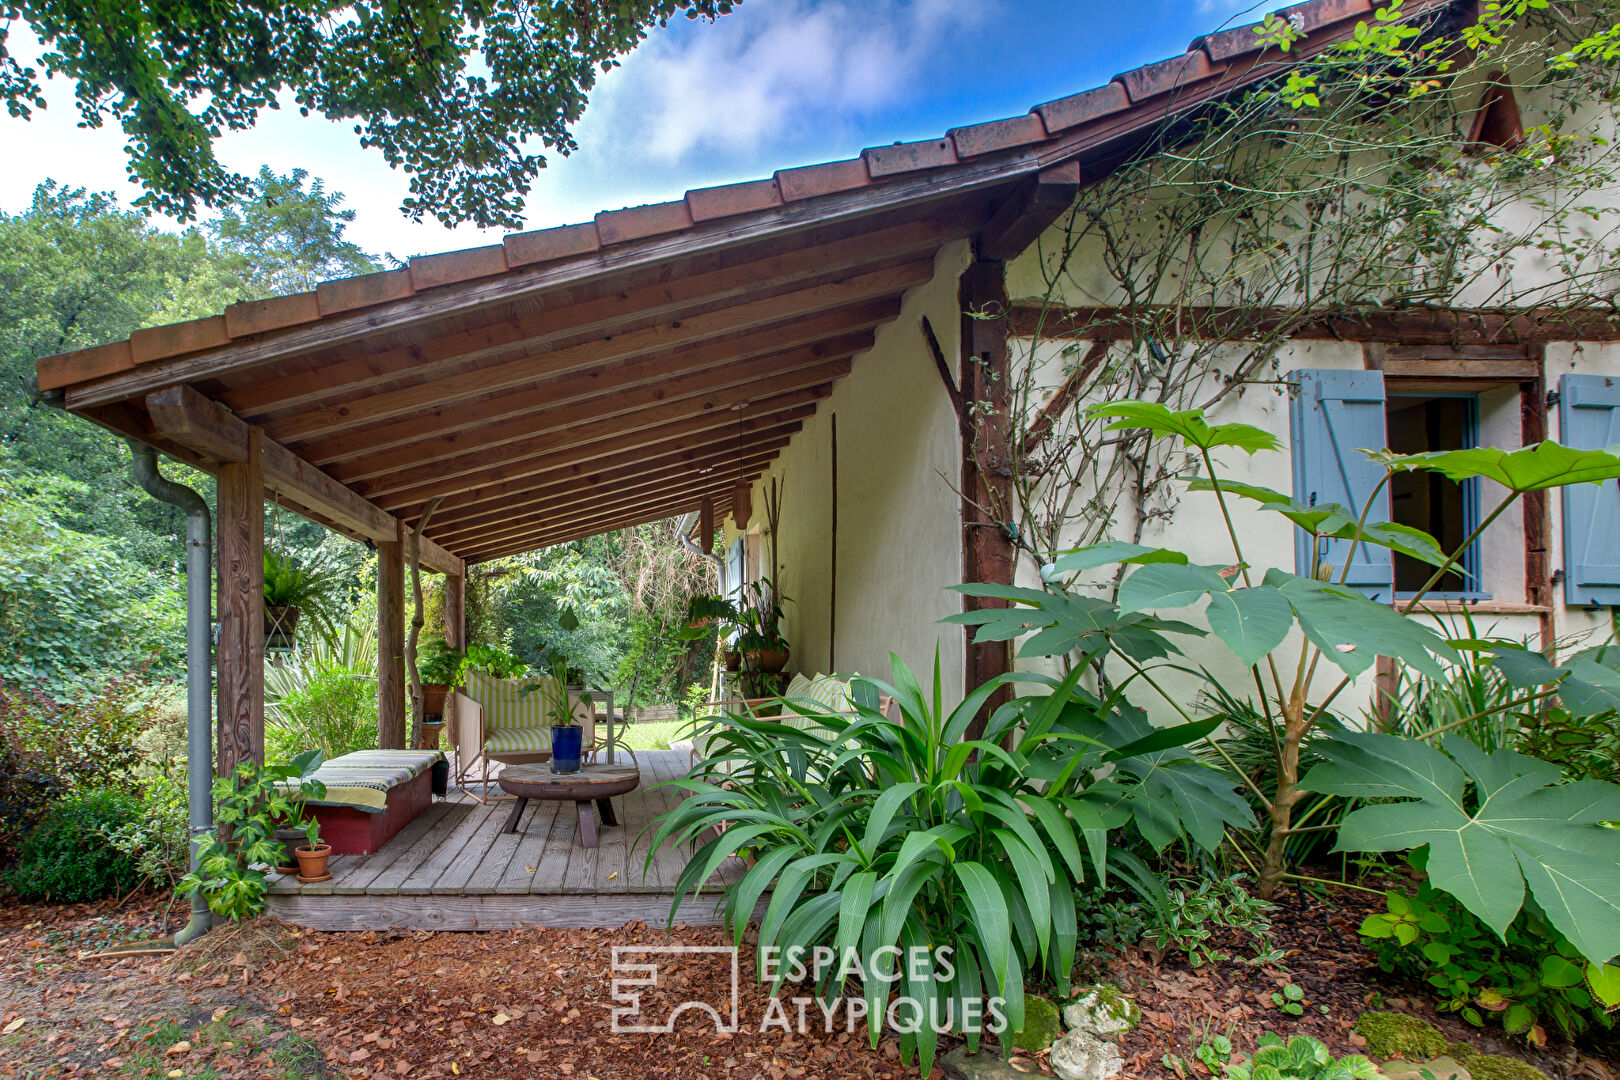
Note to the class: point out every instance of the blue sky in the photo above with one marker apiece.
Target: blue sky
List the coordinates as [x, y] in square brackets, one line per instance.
[777, 83]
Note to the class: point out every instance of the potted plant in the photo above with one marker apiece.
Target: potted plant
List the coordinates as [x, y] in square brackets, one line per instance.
[440, 668]
[567, 737]
[294, 590]
[762, 644]
[705, 611]
[312, 856]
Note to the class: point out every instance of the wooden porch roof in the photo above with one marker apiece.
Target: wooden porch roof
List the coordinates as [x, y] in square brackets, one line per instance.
[575, 380]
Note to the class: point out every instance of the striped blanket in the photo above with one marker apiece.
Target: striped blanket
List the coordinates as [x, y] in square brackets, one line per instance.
[363, 779]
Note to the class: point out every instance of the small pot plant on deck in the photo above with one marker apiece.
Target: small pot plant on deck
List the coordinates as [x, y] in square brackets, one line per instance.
[441, 667]
[249, 805]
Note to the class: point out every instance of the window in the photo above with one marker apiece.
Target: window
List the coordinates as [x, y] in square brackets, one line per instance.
[1445, 509]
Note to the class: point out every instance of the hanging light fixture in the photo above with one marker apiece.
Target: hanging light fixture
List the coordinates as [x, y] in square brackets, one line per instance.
[706, 519]
[742, 493]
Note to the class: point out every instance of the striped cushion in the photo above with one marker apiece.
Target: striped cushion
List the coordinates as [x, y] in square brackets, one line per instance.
[508, 709]
[517, 740]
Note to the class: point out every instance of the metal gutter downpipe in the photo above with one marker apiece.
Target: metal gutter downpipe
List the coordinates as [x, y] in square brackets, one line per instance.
[199, 662]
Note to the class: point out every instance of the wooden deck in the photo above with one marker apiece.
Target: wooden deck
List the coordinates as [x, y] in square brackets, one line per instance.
[454, 869]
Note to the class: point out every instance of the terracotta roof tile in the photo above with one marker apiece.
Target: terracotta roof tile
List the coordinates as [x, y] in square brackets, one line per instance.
[976, 139]
[908, 157]
[706, 204]
[271, 313]
[811, 180]
[1241, 40]
[636, 222]
[1151, 80]
[543, 245]
[1081, 108]
[449, 267]
[177, 338]
[346, 294]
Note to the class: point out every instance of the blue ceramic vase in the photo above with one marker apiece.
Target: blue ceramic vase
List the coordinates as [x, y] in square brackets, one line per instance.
[565, 749]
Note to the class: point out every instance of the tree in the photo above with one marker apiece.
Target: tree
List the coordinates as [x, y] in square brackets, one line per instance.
[449, 92]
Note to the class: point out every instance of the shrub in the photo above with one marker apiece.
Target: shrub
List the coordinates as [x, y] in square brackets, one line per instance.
[158, 841]
[334, 711]
[1530, 976]
[50, 749]
[873, 832]
[67, 858]
[1194, 912]
[1300, 1058]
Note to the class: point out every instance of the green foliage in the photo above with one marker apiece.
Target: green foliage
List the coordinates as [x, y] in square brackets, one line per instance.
[66, 859]
[158, 840]
[72, 607]
[1587, 684]
[1502, 1067]
[333, 711]
[871, 831]
[1397, 1035]
[450, 95]
[494, 662]
[1526, 978]
[440, 664]
[1043, 1024]
[249, 805]
[1188, 920]
[51, 749]
[1493, 823]
[1300, 1058]
[314, 584]
[1290, 999]
[1586, 748]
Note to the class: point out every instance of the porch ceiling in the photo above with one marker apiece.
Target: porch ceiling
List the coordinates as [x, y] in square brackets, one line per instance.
[576, 380]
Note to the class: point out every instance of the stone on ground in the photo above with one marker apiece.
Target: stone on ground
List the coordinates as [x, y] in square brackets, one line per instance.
[1396, 1035]
[1502, 1067]
[1103, 1011]
[1041, 1025]
[985, 1065]
[1080, 1055]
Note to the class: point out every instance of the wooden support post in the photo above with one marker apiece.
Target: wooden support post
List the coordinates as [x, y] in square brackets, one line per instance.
[240, 656]
[455, 611]
[1535, 504]
[391, 645]
[986, 484]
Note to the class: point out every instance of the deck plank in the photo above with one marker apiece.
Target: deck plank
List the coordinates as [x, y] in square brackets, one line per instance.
[389, 881]
[358, 879]
[536, 828]
[492, 867]
[421, 880]
[562, 839]
[460, 869]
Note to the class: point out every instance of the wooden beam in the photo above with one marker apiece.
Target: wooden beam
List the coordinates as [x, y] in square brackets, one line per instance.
[240, 652]
[357, 369]
[185, 417]
[1456, 327]
[533, 456]
[1020, 220]
[392, 720]
[715, 391]
[352, 428]
[636, 512]
[987, 551]
[636, 477]
[561, 504]
[573, 467]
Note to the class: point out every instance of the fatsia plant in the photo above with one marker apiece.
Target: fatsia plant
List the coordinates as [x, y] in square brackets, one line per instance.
[1256, 612]
[873, 831]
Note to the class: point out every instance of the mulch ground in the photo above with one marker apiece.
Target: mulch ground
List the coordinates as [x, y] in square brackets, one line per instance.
[269, 1002]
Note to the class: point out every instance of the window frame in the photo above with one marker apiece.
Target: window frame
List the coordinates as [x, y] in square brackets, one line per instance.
[1470, 562]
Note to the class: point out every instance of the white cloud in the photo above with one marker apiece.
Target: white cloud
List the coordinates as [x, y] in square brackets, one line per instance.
[769, 73]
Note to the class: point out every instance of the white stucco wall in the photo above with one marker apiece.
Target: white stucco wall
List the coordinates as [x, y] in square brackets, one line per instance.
[899, 533]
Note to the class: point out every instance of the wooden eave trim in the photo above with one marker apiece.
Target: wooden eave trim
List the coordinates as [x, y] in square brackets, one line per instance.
[183, 416]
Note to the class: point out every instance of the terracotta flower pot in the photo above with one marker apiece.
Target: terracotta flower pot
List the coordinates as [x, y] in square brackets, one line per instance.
[312, 862]
[771, 660]
[433, 695]
[733, 660]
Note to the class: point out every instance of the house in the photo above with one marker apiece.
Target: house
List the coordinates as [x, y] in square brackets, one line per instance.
[808, 328]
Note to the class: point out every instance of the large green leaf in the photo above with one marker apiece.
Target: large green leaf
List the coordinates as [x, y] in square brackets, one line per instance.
[1110, 551]
[1587, 685]
[1520, 827]
[1059, 623]
[1187, 425]
[1352, 631]
[1250, 622]
[1531, 468]
[1168, 585]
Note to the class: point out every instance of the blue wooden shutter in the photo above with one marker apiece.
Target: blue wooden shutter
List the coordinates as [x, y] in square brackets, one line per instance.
[1334, 414]
[734, 570]
[1589, 419]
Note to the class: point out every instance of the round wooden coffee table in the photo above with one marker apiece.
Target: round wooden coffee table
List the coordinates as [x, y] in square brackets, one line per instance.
[596, 783]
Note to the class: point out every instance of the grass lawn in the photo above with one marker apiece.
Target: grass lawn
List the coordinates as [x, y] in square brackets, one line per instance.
[653, 734]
